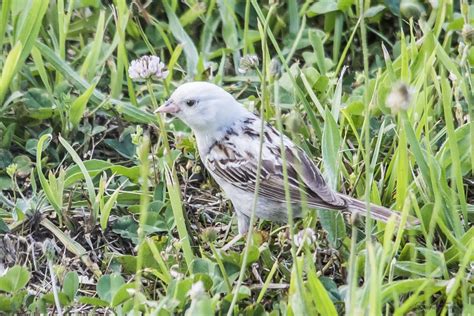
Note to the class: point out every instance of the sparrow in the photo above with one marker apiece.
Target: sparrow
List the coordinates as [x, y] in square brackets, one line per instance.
[228, 141]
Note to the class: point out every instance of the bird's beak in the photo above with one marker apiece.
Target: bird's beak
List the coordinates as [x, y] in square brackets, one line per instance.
[168, 107]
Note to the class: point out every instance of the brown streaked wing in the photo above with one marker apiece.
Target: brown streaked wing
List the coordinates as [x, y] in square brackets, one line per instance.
[313, 179]
[240, 171]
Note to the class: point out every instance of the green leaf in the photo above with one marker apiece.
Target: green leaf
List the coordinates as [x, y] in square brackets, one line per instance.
[9, 70]
[24, 165]
[229, 29]
[122, 294]
[6, 136]
[95, 167]
[63, 298]
[409, 268]
[330, 149]
[180, 34]
[201, 306]
[6, 158]
[105, 211]
[79, 105]
[394, 6]
[452, 254]
[50, 194]
[244, 292]
[462, 138]
[180, 289]
[3, 227]
[397, 288]
[373, 11]
[318, 47]
[108, 285]
[124, 147]
[38, 104]
[200, 265]
[343, 5]
[89, 67]
[11, 304]
[131, 112]
[322, 7]
[38, 60]
[6, 4]
[14, 279]
[324, 305]
[331, 221]
[94, 301]
[6, 183]
[126, 227]
[31, 17]
[89, 184]
[71, 284]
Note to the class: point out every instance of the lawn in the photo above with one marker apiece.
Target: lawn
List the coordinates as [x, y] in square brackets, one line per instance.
[106, 207]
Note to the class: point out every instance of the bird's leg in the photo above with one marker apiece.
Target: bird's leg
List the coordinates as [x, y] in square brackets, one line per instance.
[243, 222]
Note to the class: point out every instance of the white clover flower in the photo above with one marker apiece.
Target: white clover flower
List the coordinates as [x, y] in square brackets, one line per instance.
[197, 290]
[247, 63]
[306, 235]
[147, 67]
[400, 97]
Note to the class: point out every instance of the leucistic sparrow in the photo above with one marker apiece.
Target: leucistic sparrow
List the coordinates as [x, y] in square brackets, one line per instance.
[228, 140]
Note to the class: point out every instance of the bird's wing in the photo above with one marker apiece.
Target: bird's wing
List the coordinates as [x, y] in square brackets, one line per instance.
[234, 158]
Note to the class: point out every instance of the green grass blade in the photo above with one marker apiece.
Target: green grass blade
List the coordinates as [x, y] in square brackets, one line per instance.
[192, 56]
[8, 71]
[131, 112]
[174, 192]
[453, 146]
[89, 67]
[89, 184]
[79, 105]
[229, 28]
[4, 21]
[48, 190]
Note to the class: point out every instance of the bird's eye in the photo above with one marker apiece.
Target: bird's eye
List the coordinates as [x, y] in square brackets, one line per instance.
[190, 102]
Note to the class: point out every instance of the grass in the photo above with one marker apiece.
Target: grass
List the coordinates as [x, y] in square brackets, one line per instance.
[105, 207]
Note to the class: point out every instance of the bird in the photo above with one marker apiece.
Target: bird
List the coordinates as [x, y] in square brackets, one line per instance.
[228, 142]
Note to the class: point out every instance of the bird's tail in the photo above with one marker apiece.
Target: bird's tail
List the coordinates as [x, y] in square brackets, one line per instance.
[376, 211]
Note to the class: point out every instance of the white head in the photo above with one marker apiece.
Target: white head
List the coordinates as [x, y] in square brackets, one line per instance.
[203, 106]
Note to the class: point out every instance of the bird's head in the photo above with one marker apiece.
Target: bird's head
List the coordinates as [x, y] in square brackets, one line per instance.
[203, 106]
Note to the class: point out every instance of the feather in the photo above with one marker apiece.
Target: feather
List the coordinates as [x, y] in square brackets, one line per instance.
[228, 139]
[239, 167]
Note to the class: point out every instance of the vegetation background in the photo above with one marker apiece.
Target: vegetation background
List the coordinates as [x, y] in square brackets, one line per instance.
[102, 209]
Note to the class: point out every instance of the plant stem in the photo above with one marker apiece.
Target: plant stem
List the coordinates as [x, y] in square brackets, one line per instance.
[259, 167]
[221, 267]
[172, 184]
[144, 150]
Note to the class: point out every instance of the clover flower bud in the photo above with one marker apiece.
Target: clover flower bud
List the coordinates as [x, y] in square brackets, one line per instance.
[209, 234]
[305, 236]
[399, 98]
[275, 68]
[468, 33]
[248, 62]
